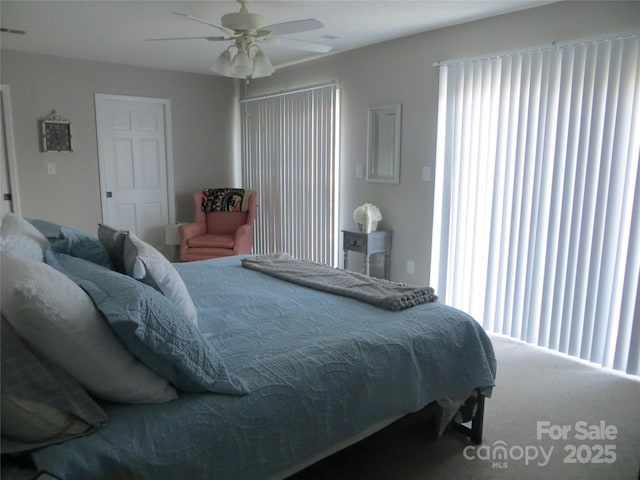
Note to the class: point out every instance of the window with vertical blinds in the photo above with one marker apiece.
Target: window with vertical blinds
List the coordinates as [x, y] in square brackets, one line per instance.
[537, 215]
[289, 156]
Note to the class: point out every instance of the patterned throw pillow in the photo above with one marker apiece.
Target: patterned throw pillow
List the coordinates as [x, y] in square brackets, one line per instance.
[223, 200]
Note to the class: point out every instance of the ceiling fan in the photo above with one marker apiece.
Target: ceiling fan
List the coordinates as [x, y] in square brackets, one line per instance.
[246, 30]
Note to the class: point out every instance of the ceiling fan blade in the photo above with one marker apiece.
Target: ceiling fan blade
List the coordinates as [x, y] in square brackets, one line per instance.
[299, 44]
[228, 31]
[295, 26]
[211, 39]
[262, 34]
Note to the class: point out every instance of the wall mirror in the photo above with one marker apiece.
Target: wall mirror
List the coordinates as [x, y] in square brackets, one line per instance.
[383, 153]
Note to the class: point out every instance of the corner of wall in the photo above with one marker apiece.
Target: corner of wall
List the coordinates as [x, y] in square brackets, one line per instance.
[236, 135]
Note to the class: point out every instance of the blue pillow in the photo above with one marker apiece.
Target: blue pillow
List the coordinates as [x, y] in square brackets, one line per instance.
[151, 327]
[73, 242]
[49, 229]
[79, 244]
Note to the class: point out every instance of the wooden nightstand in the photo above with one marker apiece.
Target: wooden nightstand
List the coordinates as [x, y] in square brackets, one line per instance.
[368, 244]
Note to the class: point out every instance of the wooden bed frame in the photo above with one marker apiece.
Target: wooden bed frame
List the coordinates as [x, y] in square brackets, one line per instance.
[474, 431]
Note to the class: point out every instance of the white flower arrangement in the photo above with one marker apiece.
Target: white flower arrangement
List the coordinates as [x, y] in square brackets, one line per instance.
[367, 217]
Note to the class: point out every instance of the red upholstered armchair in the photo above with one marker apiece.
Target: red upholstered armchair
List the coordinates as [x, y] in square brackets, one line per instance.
[218, 233]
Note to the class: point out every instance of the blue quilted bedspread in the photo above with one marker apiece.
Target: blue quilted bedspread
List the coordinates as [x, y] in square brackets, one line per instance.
[320, 369]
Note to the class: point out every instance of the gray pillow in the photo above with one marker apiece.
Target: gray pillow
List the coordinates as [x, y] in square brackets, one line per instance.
[113, 241]
[41, 403]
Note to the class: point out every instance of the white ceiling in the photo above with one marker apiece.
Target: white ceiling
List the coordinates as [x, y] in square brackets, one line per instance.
[115, 31]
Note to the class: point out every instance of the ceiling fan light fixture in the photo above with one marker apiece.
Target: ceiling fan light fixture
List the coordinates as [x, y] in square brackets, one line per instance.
[243, 58]
[223, 64]
[241, 65]
[261, 65]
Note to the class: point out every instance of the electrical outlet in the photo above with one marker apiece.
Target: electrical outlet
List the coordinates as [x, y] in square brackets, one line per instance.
[51, 168]
[411, 267]
[427, 173]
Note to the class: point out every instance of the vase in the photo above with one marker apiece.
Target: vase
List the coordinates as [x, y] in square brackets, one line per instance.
[368, 226]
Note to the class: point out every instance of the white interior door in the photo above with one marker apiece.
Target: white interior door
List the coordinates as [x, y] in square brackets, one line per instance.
[135, 173]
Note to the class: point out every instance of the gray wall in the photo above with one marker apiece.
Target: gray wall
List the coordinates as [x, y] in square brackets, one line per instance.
[401, 71]
[205, 140]
[202, 109]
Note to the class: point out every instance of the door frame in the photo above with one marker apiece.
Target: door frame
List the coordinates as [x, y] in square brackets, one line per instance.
[10, 145]
[168, 146]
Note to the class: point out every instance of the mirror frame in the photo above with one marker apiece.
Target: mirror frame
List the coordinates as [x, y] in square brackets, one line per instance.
[378, 167]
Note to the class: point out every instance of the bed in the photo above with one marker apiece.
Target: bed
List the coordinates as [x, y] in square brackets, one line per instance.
[313, 372]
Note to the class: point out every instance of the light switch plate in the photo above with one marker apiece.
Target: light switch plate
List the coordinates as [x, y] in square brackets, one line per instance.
[411, 267]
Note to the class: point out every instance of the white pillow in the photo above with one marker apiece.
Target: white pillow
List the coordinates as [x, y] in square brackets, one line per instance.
[59, 319]
[143, 262]
[19, 236]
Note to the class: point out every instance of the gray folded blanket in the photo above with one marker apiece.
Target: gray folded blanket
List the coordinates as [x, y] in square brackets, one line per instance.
[381, 293]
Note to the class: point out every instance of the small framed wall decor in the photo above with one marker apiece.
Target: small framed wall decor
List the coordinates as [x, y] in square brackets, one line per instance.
[55, 133]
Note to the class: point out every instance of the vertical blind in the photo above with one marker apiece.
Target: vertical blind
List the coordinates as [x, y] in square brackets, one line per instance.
[289, 157]
[537, 204]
